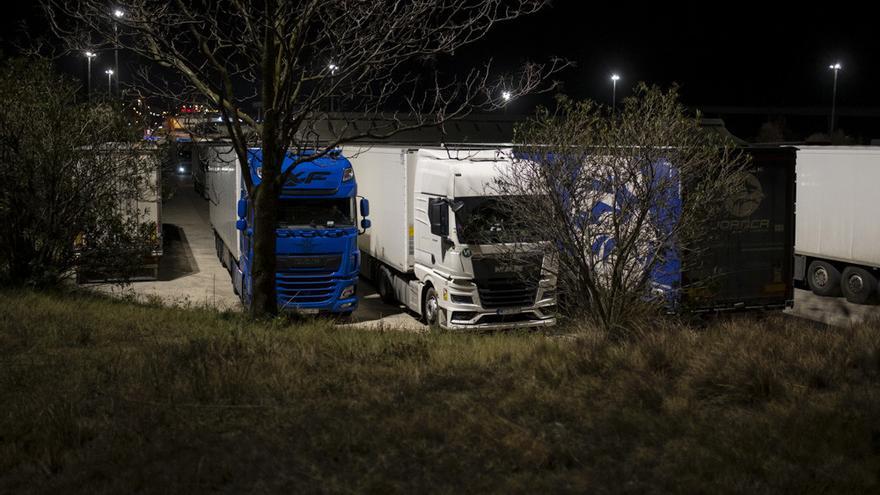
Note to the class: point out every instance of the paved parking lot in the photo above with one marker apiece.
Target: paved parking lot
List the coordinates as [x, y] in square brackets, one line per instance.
[191, 273]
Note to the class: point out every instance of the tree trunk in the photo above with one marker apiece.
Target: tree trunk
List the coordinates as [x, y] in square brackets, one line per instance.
[265, 301]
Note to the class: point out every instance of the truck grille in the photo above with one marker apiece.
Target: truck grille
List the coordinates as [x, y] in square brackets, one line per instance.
[306, 279]
[506, 293]
[299, 289]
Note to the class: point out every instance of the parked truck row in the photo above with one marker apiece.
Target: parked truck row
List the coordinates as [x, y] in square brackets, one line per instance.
[420, 253]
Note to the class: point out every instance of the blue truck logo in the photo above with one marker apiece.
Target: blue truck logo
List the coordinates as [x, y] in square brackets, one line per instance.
[310, 177]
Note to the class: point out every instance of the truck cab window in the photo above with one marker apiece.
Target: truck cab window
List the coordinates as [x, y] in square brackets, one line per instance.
[316, 213]
[488, 220]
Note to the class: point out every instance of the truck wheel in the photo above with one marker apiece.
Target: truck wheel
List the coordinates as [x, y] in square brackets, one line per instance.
[217, 244]
[431, 307]
[823, 279]
[859, 285]
[385, 287]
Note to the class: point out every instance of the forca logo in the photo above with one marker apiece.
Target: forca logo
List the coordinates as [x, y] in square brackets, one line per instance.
[747, 200]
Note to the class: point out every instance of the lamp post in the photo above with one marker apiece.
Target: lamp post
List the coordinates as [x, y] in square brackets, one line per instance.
[836, 68]
[109, 73]
[614, 79]
[333, 68]
[89, 57]
[118, 14]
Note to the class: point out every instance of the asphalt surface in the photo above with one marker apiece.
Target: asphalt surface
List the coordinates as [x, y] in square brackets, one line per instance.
[836, 311]
[190, 273]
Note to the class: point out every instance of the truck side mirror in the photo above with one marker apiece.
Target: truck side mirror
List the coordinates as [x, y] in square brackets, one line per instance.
[366, 223]
[241, 224]
[242, 208]
[438, 216]
[365, 207]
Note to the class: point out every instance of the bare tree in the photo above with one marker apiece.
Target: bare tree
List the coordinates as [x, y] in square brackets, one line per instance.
[293, 59]
[624, 201]
[73, 175]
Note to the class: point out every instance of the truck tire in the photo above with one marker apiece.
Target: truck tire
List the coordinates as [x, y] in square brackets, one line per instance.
[431, 307]
[217, 250]
[384, 286]
[823, 279]
[859, 285]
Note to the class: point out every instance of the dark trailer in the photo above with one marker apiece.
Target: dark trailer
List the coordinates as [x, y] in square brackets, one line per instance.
[748, 261]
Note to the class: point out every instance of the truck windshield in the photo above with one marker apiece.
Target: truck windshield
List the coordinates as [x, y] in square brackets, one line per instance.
[489, 220]
[315, 213]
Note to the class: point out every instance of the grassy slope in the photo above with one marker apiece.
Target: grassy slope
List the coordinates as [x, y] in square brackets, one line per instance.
[102, 396]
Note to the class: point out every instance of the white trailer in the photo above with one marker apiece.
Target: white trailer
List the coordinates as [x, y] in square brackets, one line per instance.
[837, 234]
[223, 189]
[416, 253]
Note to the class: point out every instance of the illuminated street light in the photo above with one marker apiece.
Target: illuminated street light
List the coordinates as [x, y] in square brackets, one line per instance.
[89, 57]
[614, 79]
[333, 68]
[506, 95]
[836, 68]
[109, 73]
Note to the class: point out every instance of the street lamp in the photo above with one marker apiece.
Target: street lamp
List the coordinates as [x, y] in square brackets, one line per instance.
[836, 68]
[506, 95]
[89, 57]
[109, 73]
[118, 14]
[614, 79]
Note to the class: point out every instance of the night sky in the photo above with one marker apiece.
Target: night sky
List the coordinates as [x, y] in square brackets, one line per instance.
[720, 53]
[732, 53]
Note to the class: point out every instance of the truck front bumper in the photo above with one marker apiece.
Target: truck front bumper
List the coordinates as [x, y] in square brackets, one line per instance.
[468, 312]
[293, 301]
[487, 319]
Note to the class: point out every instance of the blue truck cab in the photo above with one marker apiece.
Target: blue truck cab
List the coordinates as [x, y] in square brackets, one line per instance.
[317, 254]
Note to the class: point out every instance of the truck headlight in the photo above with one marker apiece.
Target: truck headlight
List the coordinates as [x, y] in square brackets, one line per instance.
[347, 292]
[347, 174]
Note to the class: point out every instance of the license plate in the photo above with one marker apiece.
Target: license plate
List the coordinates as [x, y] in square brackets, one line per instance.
[307, 311]
[508, 311]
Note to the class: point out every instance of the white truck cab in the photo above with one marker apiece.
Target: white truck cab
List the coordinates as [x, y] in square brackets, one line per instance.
[427, 250]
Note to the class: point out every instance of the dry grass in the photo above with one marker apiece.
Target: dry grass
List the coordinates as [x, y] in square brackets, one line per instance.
[102, 396]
